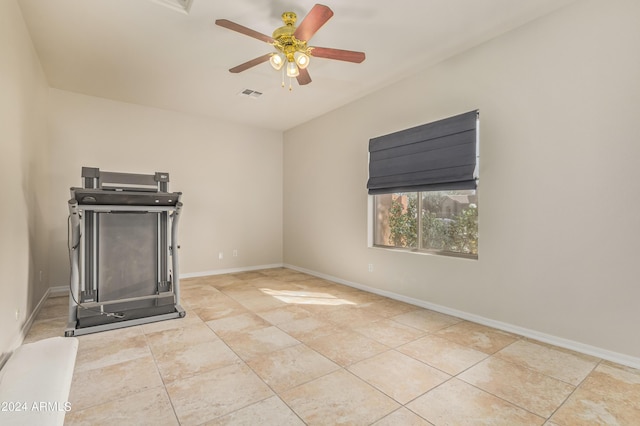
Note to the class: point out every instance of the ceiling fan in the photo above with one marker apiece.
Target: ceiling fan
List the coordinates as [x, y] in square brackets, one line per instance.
[292, 54]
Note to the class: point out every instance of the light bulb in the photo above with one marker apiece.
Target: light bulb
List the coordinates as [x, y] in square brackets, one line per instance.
[277, 61]
[292, 69]
[302, 59]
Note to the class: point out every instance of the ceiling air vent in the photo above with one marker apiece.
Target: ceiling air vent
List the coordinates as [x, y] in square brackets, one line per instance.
[250, 93]
[178, 5]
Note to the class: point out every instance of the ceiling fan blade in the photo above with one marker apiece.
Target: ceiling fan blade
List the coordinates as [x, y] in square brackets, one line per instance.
[251, 63]
[303, 77]
[316, 18]
[340, 55]
[244, 30]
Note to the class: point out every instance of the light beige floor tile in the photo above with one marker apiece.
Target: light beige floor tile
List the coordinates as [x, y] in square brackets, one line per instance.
[57, 301]
[347, 347]
[237, 325]
[338, 398]
[361, 298]
[322, 290]
[309, 328]
[43, 329]
[390, 333]
[219, 310]
[519, 385]
[477, 336]
[458, 403]
[290, 367]
[57, 307]
[186, 321]
[194, 359]
[267, 282]
[562, 364]
[184, 304]
[324, 311]
[260, 342]
[388, 307]
[178, 338]
[271, 411]
[285, 314]
[200, 290]
[351, 294]
[276, 272]
[242, 292]
[151, 407]
[398, 375]
[442, 354]
[100, 385]
[202, 298]
[316, 284]
[262, 303]
[426, 320]
[248, 275]
[296, 276]
[113, 352]
[613, 381]
[402, 417]
[271, 287]
[221, 281]
[588, 408]
[89, 342]
[53, 310]
[191, 282]
[349, 316]
[609, 395]
[216, 393]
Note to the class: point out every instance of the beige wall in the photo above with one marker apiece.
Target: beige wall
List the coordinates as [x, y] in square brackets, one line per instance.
[230, 177]
[559, 103]
[23, 171]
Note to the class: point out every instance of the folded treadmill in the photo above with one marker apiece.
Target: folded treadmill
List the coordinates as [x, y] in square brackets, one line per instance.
[123, 250]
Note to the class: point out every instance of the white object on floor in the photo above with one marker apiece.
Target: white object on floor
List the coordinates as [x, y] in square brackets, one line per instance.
[35, 382]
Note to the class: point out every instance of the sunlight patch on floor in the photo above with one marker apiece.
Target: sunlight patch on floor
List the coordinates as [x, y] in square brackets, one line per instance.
[306, 297]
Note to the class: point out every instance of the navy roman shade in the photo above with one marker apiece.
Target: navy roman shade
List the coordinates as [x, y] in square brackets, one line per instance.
[442, 155]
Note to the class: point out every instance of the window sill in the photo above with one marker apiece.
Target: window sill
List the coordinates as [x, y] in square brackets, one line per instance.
[426, 252]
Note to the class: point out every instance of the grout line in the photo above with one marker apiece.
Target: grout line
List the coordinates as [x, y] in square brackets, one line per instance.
[578, 386]
[164, 384]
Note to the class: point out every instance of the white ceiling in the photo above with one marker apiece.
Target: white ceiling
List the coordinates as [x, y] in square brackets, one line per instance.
[141, 52]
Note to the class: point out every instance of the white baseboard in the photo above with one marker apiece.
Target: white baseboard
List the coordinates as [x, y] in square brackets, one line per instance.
[58, 291]
[230, 271]
[24, 330]
[605, 354]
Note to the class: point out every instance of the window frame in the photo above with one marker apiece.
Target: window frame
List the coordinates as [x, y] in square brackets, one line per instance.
[419, 250]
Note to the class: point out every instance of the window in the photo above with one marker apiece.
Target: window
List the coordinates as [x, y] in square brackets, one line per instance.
[423, 181]
[447, 223]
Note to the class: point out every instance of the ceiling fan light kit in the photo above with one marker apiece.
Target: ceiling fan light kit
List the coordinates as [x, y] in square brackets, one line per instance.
[290, 43]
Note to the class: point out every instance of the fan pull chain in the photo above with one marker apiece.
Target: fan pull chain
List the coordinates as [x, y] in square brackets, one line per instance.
[290, 84]
[283, 77]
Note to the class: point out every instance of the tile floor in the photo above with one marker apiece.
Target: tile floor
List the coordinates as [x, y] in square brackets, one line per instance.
[278, 347]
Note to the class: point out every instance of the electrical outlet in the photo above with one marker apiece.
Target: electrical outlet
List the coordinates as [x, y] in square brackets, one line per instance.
[17, 314]
[220, 256]
[235, 252]
[40, 276]
[371, 267]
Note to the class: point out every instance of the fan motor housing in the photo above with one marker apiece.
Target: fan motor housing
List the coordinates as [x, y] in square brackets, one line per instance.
[287, 30]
